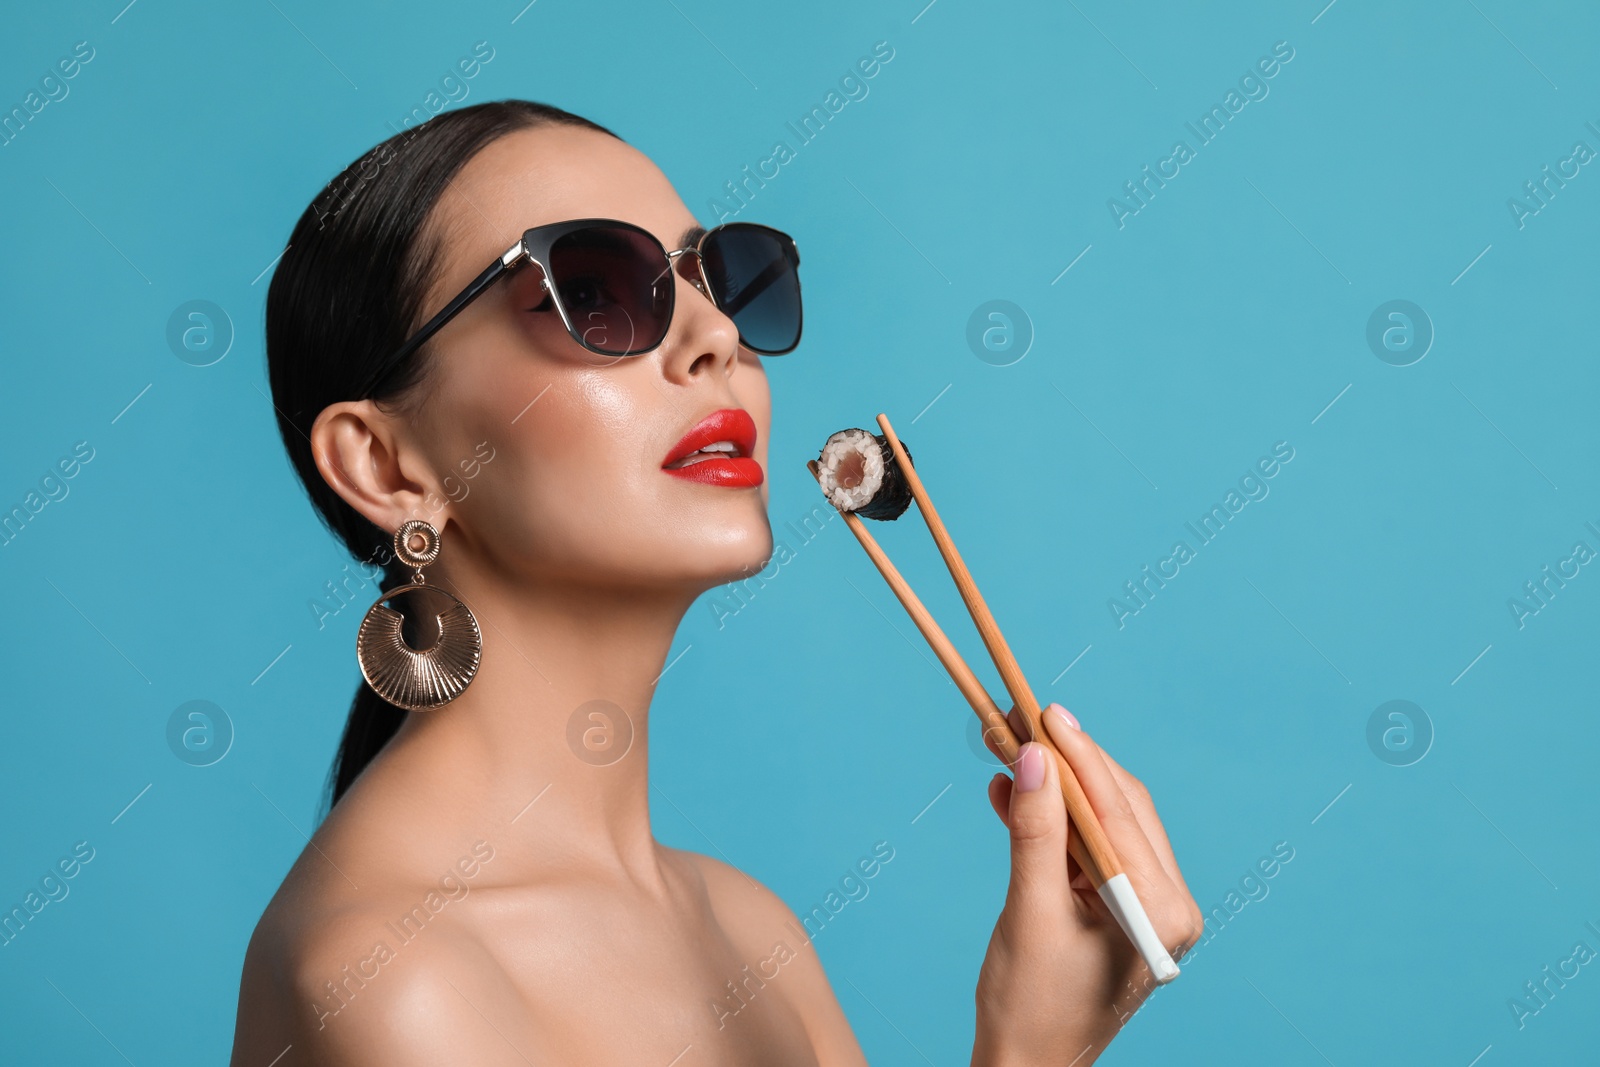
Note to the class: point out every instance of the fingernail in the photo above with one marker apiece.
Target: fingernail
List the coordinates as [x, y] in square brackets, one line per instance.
[1065, 714]
[1030, 767]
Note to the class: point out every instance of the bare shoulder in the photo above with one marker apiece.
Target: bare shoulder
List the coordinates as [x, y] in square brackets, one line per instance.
[741, 902]
[367, 954]
[338, 982]
[775, 943]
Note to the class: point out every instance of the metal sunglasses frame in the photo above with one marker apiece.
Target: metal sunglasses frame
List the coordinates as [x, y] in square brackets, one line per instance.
[534, 247]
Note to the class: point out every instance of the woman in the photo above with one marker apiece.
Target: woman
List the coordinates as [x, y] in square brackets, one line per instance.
[486, 888]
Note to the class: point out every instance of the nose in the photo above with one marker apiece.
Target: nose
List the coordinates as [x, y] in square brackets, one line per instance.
[702, 339]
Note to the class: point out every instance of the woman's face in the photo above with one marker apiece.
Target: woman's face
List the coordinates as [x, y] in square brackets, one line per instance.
[574, 489]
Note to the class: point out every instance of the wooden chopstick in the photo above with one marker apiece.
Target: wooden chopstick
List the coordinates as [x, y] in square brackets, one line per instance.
[995, 726]
[1090, 846]
[989, 713]
[1099, 845]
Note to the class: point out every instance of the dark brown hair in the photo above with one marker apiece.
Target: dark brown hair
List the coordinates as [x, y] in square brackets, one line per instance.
[346, 294]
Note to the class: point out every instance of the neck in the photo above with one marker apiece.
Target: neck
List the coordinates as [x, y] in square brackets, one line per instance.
[547, 749]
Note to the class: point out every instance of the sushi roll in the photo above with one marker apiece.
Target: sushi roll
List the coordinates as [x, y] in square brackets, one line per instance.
[858, 472]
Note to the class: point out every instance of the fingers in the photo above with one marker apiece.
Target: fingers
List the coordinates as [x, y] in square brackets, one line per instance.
[1019, 725]
[1078, 878]
[1107, 799]
[1000, 795]
[1144, 808]
[992, 736]
[1038, 824]
[1161, 889]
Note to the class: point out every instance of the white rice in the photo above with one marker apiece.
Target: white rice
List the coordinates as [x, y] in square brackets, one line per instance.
[835, 453]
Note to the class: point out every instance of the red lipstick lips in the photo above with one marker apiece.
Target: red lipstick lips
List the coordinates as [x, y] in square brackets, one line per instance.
[717, 450]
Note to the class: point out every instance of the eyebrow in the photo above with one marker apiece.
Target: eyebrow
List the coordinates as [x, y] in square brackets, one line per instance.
[691, 236]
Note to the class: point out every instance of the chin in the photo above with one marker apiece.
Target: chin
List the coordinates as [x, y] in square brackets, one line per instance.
[741, 550]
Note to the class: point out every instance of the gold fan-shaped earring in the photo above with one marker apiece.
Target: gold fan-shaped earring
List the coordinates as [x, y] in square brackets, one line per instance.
[418, 681]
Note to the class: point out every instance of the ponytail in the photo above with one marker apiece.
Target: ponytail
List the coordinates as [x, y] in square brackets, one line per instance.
[372, 722]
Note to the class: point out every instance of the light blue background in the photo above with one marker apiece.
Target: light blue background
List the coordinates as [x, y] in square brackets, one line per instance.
[1224, 317]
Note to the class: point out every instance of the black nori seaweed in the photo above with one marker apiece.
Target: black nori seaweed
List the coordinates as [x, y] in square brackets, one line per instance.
[894, 495]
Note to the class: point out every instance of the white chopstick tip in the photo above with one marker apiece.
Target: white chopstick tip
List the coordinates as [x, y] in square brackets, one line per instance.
[1124, 903]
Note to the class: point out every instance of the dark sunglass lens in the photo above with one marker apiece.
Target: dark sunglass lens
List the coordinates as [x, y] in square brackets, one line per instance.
[615, 286]
[753, 272]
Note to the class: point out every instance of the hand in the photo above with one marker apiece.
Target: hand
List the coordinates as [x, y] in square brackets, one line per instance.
[1060, 977]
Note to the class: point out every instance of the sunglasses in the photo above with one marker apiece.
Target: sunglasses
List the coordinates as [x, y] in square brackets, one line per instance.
[612, 284]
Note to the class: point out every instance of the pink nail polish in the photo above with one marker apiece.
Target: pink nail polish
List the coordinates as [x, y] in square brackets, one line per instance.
[1030, 767]
[1065, 714]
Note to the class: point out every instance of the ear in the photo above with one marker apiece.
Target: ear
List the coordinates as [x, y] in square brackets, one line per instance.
[362, 454]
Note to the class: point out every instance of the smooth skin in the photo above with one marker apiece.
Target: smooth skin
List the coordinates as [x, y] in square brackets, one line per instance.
[1060, 976]
[546, 922]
